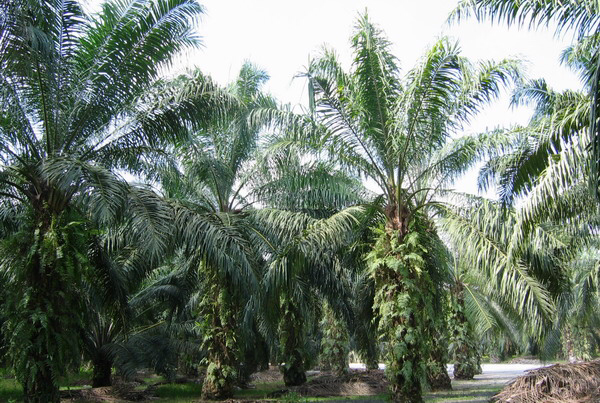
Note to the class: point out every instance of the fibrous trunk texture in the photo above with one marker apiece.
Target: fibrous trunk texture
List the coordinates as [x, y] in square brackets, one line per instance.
[220, 341]
[101, 375]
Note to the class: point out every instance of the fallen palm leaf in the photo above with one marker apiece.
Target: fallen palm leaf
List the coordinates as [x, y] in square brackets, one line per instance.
[564, 383]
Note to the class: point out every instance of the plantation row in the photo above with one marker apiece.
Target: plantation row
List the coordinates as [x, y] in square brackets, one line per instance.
[245, 235]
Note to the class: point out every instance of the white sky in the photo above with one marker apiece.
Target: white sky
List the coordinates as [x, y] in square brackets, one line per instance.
[280, 36]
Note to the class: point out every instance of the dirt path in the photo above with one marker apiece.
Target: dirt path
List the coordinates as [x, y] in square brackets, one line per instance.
[479, 390]
[484, 386]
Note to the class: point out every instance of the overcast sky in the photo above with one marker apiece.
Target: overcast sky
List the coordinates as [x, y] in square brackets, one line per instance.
[280, 36]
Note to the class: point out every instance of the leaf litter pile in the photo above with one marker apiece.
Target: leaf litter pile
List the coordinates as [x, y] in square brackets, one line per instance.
[564, 383]
[355, 383]
[324, 384]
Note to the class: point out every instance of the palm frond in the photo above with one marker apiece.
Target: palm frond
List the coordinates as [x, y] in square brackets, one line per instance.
[578, 15]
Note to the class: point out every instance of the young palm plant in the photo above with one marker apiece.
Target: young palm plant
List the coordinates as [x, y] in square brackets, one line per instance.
[81, 99]
[393, 131]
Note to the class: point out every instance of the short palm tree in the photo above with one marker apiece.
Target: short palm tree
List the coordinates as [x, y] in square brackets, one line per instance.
[213, 180]
[81, 100]
[303, 232]
[393, 131]
[509, 272]
[303, 268]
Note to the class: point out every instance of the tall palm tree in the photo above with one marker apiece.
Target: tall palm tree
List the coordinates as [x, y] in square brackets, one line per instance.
[81, 99]
[393, 130]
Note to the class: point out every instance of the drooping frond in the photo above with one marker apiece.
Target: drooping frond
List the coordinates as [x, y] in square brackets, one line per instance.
[582, 16]
[564, 171]
[487, 232]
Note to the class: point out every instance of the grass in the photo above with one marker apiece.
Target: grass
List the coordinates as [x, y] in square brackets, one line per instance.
[179, 392]
[10, 390]
[184, 393]
[482, 393]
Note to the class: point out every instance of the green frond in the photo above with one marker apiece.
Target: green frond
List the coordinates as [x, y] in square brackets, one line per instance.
[582, 16]
[486, 231]
[218, 240]
[564, 171]
[582, 57]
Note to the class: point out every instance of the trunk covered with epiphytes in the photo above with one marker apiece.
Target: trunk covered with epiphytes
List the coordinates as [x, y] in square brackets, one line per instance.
[464, 349]
[43, 320]
[335, 344]
[403, 304]
[292, 340]
[219, 340]
[437, 373]
[40, 388]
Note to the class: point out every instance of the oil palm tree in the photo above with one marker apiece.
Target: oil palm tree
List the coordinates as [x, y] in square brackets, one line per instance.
[213, 180]
[302, 269]
[81, 99]
[542, 180]
[393, 130]
[304, 231]
[516, 280]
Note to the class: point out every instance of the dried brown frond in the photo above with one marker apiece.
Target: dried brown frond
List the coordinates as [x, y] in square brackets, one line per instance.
[560, 383]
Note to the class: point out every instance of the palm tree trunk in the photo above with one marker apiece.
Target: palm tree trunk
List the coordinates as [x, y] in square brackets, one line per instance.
[43, 316]
[220, 341]
[101, 375]
[291, 338]
[437, 374]
[569, 345]
[334, 346]
[40, 388]
[403, 305]
[466, 356]
[372, 363]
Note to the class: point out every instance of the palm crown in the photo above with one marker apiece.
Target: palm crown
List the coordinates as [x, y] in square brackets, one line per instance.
[394, 130]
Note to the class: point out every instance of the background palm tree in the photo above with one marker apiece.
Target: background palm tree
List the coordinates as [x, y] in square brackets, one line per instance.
[304, 231]
[212, 182]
